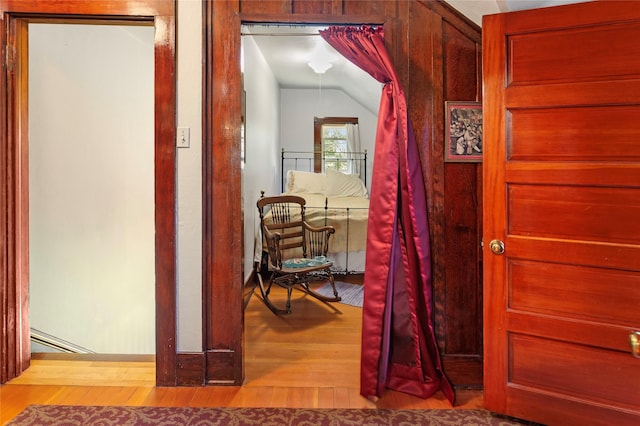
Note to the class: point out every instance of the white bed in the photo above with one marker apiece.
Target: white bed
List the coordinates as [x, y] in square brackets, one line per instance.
[339, 200]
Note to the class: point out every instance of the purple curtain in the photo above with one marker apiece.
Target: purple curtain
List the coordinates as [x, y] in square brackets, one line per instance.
[399, 349]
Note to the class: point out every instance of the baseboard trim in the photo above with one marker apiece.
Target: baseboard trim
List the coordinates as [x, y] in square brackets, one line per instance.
[93, 357]
[190, 370]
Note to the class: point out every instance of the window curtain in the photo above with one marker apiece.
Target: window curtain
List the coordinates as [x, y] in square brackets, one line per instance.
[399, 349]
[353, 146]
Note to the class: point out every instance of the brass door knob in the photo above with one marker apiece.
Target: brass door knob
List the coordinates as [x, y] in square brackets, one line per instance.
[634, 341]
[497, 246]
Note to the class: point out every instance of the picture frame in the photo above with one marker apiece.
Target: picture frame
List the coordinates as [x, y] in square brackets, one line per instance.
[463, 132]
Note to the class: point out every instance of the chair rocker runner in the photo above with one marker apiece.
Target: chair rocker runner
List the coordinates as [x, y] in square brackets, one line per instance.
[296, 250]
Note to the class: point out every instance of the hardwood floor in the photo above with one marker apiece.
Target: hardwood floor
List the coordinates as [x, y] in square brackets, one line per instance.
[309, 359]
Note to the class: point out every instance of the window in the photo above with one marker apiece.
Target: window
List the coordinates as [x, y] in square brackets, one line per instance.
[331, 144]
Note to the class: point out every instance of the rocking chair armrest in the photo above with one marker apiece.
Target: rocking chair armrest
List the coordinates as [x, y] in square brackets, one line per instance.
[273, 246]
[328, 228]
[272, 237]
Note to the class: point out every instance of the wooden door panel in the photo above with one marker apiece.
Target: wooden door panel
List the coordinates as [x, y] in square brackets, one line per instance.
[577, 173]
[573, 370]
[572, 252]
[566, 411]
[603, 214]
[561, 106]
[557, 328]
[594, 127]
[574, 54]
[619, 91]
[574, 291]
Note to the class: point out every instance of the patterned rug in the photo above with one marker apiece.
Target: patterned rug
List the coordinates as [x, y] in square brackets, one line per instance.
[67, 415]
[351, 294]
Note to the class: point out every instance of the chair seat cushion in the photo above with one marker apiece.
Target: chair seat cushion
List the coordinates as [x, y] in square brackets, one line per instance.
[303, 262]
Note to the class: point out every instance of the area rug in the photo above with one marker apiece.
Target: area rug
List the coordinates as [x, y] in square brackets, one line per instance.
[351, 294]
[68, 415]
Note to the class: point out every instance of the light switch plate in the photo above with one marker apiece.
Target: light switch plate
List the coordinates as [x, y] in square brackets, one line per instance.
[182, 137]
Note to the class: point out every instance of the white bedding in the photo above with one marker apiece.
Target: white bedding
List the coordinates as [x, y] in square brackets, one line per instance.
[336, 199]
[348, 215]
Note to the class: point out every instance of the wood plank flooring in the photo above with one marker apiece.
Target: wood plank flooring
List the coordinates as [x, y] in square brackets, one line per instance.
[308, 359]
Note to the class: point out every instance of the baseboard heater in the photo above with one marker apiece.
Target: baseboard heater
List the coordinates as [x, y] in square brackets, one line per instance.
[56, 343]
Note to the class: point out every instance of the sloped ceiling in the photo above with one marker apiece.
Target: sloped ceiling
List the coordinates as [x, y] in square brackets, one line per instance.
[288, 50]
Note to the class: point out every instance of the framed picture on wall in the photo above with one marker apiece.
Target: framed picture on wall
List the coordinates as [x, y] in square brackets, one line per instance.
[463, 132]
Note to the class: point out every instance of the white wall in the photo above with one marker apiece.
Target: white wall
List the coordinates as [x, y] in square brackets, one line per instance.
[92, 249]
[189, 177]
[474, 9]
[260, 173]
[300, 106]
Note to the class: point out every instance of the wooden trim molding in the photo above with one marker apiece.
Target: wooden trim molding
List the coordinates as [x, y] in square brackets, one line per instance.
[14, 284]
[223, 300]
[222, 229]
[190, 369]
[165, 198]
[14, 210]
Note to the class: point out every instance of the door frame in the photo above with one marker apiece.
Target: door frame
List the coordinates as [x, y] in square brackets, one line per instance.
[223, 267]
[15, 16]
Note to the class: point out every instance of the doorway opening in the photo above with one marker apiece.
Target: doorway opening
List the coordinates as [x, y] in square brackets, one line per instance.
[91, 179]
[14, 179]
[284, 96]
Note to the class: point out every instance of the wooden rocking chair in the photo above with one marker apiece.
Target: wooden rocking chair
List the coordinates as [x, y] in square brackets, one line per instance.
[296, 250]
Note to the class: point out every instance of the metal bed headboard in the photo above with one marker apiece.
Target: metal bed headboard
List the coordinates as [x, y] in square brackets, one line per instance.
[305, 161]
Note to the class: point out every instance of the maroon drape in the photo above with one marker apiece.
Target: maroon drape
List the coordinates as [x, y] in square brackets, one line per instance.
[399, 348]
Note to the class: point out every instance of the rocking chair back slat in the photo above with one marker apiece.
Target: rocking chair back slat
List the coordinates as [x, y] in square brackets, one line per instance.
[284, 215]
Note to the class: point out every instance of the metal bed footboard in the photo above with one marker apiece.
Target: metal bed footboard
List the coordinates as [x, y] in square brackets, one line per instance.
[327, 220]
[308, 162]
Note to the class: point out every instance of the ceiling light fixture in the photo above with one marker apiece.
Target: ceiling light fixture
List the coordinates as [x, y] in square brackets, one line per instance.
[320, 67]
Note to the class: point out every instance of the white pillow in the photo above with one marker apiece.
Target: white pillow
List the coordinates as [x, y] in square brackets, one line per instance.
[305, 182]
[344, 185]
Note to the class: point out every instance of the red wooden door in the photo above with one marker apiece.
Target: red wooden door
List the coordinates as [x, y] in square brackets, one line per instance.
[562, 192]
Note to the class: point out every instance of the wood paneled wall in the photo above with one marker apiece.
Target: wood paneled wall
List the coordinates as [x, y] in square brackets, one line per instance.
[436, 52]
[458, 293]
